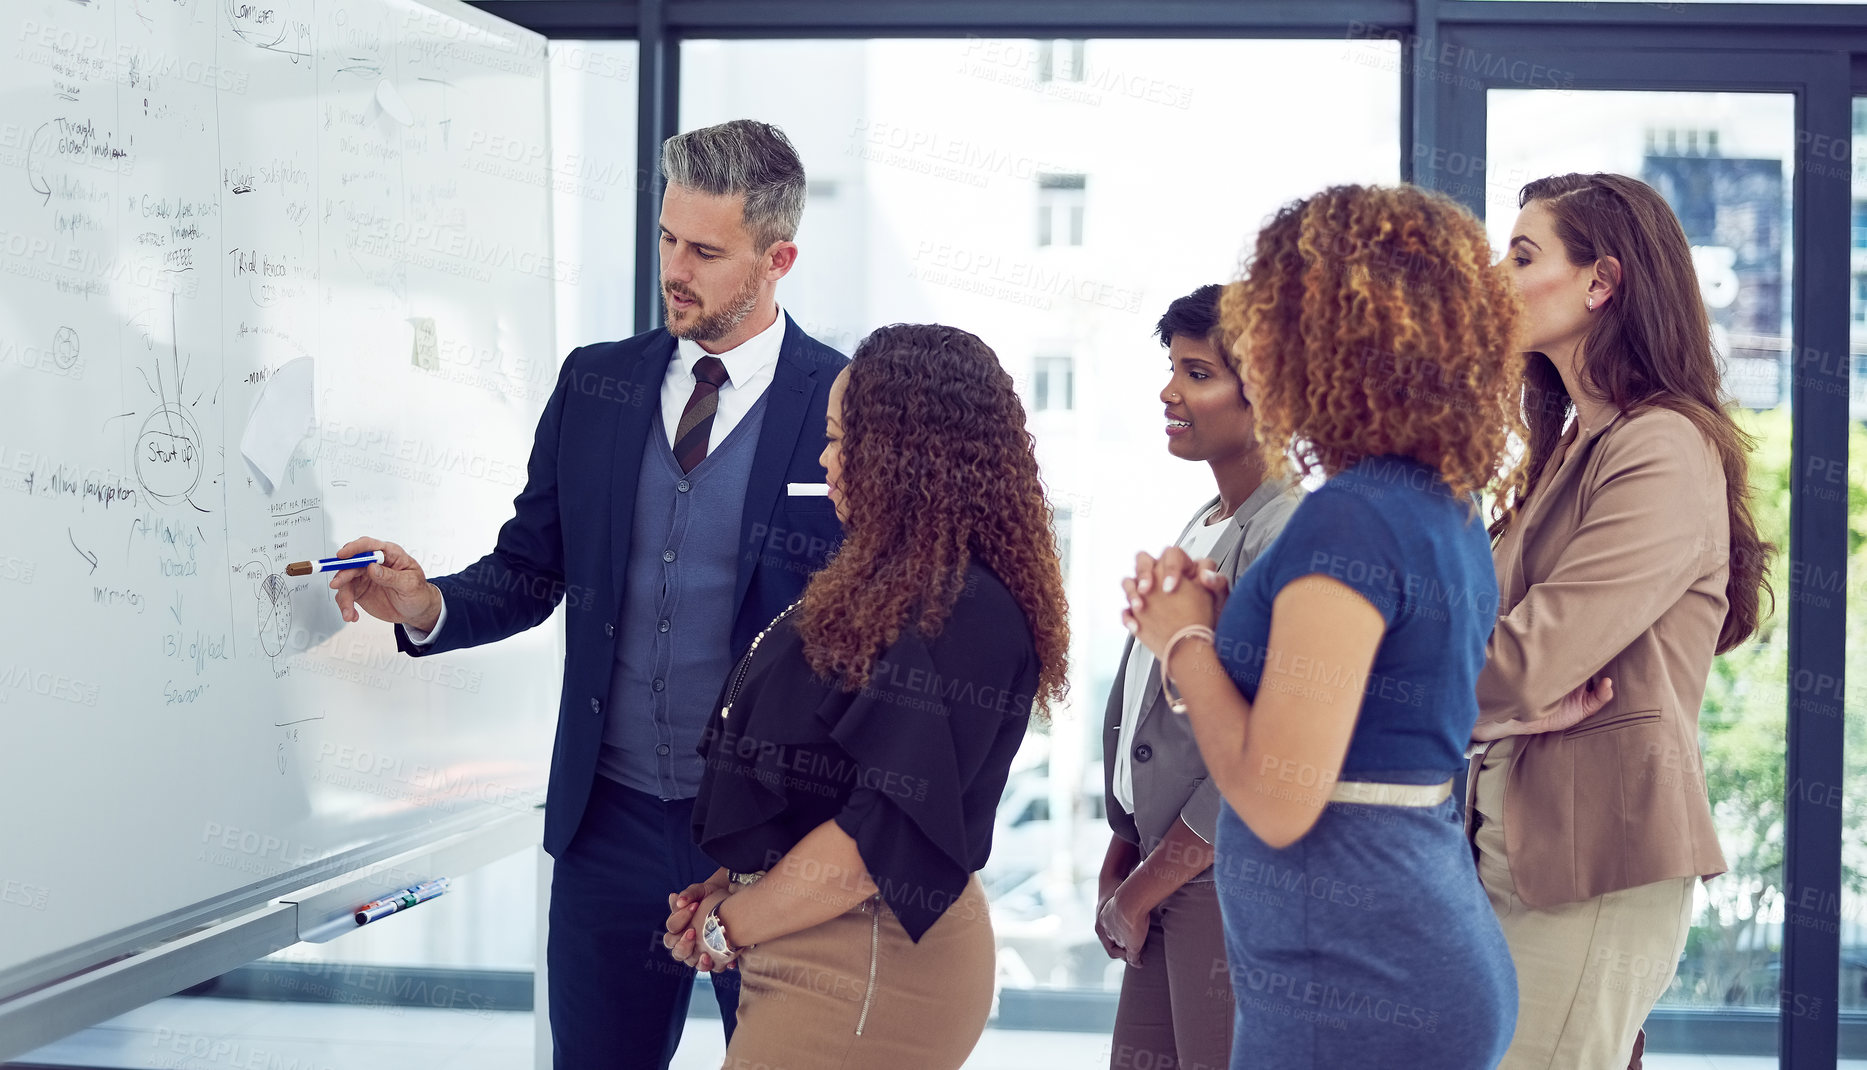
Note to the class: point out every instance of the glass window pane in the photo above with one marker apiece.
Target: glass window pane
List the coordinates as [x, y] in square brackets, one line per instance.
[1854, 665]
[1723, 161]
[945, 148]
[594, 178]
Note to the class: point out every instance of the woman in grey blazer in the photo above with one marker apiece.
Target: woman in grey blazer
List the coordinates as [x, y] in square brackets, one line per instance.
[1156, 907]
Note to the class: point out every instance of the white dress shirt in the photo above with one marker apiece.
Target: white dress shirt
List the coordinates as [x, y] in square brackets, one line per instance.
[750, 367]
[1198, 543]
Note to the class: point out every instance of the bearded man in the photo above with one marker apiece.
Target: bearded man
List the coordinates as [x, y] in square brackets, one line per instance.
[657, 509]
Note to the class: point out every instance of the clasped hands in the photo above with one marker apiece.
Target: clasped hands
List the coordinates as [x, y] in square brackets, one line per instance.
[1122, 926]
[686, 909]
[1171, 592]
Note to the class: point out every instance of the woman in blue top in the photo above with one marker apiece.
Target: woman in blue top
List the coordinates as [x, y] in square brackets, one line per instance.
[1334, 703]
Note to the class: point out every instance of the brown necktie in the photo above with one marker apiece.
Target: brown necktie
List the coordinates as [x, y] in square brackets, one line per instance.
[696, 428]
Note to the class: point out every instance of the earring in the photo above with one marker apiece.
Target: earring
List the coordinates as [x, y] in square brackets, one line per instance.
[1591, 304]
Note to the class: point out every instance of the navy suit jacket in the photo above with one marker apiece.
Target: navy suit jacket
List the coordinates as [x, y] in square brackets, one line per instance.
[568, 539]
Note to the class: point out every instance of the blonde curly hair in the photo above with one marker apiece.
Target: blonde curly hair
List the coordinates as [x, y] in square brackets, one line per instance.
[1370, 320]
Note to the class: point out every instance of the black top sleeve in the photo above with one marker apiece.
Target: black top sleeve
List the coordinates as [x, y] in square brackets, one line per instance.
[911, 766]
[931, 740]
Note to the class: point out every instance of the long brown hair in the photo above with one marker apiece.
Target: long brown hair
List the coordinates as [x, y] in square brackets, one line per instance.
[1649, 347]
[938, 469]
[1370, 320]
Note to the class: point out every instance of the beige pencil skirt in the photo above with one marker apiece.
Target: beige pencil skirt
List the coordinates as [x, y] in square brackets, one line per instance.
[855, 992]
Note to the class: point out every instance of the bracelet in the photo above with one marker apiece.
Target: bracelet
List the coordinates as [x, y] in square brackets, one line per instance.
[1191, 631]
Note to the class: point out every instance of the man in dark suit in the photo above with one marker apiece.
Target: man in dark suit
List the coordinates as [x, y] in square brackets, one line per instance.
[657, 508]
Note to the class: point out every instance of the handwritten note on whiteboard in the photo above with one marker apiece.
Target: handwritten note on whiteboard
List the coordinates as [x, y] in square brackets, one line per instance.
[197, 202]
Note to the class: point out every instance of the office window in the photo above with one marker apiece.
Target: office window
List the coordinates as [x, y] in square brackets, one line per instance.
[1723, 161]
[1053, 386]
[940, 150]
[1853, 589]
[1060, 200]
[1060, 61]
[593, 177]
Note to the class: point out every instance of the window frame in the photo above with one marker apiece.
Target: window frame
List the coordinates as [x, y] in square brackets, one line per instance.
[1817, 52]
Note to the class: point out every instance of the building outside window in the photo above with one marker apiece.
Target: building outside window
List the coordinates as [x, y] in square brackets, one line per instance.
[1054, 385]
[1060, 60]
[1060, 200]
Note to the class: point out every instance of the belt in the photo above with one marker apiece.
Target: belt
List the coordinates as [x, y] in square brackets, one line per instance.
[747, 878]
[1369, 793]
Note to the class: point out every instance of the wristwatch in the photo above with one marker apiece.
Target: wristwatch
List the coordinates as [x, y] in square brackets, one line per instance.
[713, 937]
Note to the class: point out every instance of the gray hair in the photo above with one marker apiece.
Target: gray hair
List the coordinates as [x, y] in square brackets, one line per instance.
[744, 157]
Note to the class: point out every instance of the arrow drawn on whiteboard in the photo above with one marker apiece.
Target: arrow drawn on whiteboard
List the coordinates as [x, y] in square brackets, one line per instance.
[82, 552]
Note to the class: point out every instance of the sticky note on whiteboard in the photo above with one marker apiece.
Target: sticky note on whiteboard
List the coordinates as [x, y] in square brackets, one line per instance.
[427, 355]
[392, 103]
[282, 414]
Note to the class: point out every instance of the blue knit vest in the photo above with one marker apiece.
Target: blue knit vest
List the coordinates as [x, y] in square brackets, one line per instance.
[675, 646]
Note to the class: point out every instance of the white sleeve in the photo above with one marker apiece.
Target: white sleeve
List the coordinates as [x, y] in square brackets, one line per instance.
[421, 638]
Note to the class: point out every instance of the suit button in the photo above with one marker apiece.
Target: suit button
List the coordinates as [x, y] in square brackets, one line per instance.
[595, 706]
[683, 486]
[661, 748]
[663, 626]
[660, 684]
[1142, 752]
[667, 555]
[609, 629]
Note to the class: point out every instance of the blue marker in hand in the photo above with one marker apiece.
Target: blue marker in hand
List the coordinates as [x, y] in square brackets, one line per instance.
[332, 564]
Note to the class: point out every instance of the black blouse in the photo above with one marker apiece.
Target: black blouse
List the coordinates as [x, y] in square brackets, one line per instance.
[912, 766]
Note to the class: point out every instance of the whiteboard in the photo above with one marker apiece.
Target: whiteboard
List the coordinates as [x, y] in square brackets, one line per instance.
[193, 195]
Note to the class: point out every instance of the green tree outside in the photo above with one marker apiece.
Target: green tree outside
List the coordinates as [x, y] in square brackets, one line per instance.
[1733, 951]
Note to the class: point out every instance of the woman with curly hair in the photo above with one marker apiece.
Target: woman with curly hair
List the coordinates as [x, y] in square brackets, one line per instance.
[1632, 562]
[861, 746]
[1333, 701]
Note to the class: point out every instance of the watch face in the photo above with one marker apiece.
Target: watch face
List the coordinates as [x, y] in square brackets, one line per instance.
[713, 935]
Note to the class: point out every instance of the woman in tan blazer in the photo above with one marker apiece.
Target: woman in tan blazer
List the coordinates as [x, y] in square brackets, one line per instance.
[1631, 561]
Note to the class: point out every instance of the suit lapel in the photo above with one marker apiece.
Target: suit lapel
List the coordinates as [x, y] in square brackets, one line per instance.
[1513, 584]
[629, 446]
[1150, 692]
[1232, 544]
[786, 404]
